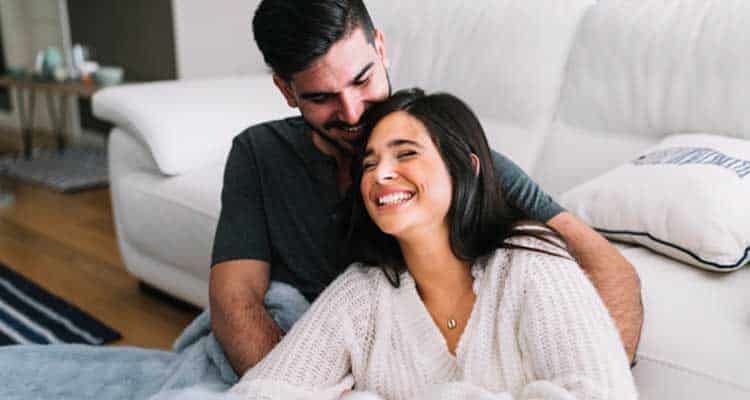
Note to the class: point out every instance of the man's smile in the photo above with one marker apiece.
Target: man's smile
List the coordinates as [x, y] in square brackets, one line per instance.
[348, 132]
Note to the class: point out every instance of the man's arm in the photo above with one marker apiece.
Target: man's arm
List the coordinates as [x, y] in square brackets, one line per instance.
[239, 319]
[613, 276]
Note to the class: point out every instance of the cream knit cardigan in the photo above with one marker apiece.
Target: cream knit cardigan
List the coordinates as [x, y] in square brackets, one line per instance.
[538, 330]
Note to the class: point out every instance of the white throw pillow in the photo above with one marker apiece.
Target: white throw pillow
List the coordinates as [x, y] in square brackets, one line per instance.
[688, 198]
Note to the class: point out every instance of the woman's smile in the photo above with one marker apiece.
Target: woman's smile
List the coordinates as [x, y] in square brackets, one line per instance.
[392, 199]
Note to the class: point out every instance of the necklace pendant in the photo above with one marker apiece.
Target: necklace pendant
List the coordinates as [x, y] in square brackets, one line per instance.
[451, 323]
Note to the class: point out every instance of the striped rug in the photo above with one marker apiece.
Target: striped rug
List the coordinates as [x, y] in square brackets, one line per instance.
[31, 315]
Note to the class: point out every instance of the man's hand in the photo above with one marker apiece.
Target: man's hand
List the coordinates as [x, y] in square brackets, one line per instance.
[239, 319]
[613, 276]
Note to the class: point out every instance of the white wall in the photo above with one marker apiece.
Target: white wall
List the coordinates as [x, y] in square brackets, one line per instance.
[17, 40]
[29, 26]
[214, 38]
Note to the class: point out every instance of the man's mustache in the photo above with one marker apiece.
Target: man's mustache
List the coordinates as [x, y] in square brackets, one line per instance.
[340, 125]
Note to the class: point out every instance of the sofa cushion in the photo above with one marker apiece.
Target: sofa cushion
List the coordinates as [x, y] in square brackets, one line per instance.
[682, 198]
[639, 70]
[520, 145]
[654, 67]
[172, 219]
[571, 156]
[695, 340]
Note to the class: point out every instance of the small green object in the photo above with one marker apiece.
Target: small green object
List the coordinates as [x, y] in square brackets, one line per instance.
[52, 59]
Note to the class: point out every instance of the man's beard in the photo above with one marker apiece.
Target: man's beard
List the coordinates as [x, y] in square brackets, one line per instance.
[321, 134]
[340, 124]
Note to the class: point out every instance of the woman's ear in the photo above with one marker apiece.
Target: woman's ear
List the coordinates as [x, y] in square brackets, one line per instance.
[475, 163]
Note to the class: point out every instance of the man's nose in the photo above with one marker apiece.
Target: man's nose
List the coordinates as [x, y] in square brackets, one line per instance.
[351, 107]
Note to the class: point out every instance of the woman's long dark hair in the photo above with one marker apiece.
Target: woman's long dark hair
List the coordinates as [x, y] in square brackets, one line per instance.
[480, 221]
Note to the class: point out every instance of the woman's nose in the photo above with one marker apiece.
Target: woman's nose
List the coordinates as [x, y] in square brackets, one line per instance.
[385, 172]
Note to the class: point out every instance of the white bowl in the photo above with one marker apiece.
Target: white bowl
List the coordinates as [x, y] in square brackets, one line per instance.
[108, 76]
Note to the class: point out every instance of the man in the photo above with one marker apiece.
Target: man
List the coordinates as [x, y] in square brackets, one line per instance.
[285, 181]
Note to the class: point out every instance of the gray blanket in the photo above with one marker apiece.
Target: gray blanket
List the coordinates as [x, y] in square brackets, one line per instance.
[87, 372]
[196, 365]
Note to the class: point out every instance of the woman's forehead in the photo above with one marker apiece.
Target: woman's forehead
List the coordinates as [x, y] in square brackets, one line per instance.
[396, 128]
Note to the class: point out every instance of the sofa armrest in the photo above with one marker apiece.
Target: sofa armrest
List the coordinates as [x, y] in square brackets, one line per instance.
[187, 124]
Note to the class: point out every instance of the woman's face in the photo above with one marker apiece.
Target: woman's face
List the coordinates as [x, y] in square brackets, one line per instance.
[406, 186]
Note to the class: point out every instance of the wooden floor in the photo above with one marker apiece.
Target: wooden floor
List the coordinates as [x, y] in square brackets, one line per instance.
[66, 243]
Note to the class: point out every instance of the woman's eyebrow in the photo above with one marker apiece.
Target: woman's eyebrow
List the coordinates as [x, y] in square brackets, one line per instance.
[402, 142]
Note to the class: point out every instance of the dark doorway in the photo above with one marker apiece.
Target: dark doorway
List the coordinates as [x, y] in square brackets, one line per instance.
[4, 92]
[137, 35]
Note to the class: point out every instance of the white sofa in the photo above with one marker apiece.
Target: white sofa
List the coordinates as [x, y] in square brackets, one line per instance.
[566, 88]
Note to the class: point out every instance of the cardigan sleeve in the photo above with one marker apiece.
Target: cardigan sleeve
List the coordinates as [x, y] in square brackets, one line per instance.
[313, 361]
[570, 346]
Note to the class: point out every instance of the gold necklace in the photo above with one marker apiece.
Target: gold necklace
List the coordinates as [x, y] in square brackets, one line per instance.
[452, 324]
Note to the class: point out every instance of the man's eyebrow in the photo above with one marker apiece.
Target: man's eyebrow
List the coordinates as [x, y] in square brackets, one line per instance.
[363, 72]
[311, 95]
[394, 143]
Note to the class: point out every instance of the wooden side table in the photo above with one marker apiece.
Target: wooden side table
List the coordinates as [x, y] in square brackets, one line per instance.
[56, 93]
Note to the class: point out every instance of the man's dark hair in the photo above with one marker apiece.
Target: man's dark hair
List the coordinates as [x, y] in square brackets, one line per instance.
[479, 219]
[292, 34]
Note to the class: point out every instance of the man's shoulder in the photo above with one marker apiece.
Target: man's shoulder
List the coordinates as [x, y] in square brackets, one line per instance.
[264, 133]
[500, 160]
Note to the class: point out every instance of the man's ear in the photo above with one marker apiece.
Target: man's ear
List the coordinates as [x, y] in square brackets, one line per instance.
[286, 89]
[380, 48]
[475, 163]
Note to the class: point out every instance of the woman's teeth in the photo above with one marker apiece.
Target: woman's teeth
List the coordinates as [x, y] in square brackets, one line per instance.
[394, 198]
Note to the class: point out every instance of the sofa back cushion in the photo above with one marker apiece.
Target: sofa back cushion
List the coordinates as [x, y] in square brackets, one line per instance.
[643, 69]
[505, 58]
[655, 67]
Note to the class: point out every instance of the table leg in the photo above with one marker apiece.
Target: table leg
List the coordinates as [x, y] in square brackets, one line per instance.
[26, 106]
[57, 115]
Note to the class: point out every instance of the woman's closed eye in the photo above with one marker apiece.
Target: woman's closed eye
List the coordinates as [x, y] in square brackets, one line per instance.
[402, 155]
[368, 165]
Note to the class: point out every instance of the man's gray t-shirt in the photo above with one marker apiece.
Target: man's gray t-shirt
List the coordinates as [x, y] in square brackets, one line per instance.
[281, 204]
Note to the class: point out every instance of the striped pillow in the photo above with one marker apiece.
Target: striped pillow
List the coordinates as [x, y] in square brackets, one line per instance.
[686, 198]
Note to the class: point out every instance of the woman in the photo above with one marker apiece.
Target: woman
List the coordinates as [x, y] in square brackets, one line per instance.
[453, 300]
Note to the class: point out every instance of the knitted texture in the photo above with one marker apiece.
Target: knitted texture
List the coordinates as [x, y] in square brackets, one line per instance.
[538, 330]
